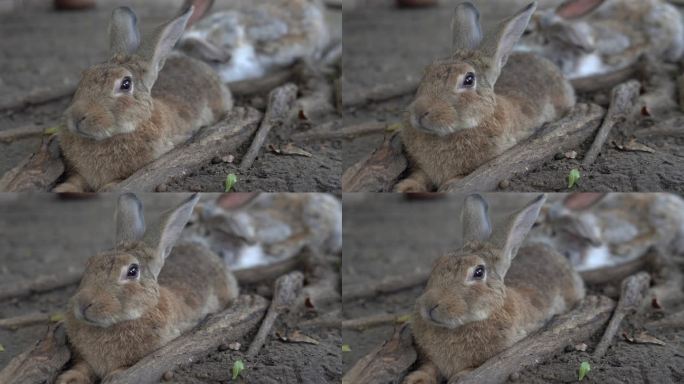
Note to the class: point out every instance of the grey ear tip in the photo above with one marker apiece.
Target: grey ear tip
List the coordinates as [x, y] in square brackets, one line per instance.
[531, 7]
[470, 6]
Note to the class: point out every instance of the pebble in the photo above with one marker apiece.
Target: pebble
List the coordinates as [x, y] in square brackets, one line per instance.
[168, 375]
[559, 156]
[504, 184]
[162, 188]
[515, 376]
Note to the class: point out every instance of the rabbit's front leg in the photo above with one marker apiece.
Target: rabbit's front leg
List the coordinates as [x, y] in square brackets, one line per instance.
[80, 373]
[427, 373]
[450, 183]
[418, 181]
[74, 183]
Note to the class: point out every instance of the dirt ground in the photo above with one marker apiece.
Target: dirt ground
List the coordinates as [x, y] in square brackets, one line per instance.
[385, 44]
[386, 234]
[45, 50]
[43, 234]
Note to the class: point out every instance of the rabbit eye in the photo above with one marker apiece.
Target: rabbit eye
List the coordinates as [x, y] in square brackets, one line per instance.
[469, 80]
[133, 271]
[126, 84]
[479, 272]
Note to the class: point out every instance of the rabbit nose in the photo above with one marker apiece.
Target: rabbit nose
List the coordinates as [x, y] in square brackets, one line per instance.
[431, 313]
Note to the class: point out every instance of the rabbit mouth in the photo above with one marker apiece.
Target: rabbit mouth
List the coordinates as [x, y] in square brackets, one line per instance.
[435, 317]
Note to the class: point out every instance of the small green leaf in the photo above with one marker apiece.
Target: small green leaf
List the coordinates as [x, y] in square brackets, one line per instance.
[404, 318]
[231, 180]
[51, 130]
[2, 349]
[238, 366]
[573, 177]
[346, 348]
[583, 370]
[55, 317]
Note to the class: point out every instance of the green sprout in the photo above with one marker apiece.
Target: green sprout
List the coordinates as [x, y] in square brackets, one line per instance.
[238, 366]
[573, 177]
[58, 316]
[583, 370]
[346, 348]
[231, 180]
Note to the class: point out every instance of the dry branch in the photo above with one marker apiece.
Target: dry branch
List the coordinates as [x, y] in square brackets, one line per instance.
[651, 261]
[570, 328]
[24, 320]
[39, 96]
[387, 285]
[622, 101]
[220, 139]
[286, 290]
[280, 101]
[675, 320]
[40, 364]
[673, 127]
[233, 323]
[380, 92]
[379, 171]
[41, 283]
[37, 172]
[387, 363]
[328, 131]
[328, 320]
[10, 135]
[371, 321]
[558, 137]
[631, 295]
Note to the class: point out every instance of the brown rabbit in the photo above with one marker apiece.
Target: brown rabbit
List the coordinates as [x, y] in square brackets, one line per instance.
[477, 103]
[468, 314]
[128, 305]
[137, 105]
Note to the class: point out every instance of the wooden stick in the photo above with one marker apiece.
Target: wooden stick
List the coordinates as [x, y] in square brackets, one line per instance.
[220, 139]
[570, 328]
[668, 128]
[380, 92]
[10, 135]
[36, 173]
[389, 284]
[651, 261]
[362, 323]
[42, 362]
[328, 320]
[24, 320]
[232, 324]
[379, 171]
[560, 136]
[632, 294]
[280, 102]
[39, 96]
[328, 131]
[623, 99]
[675, 320]
[388, 363]
[286, 290]
[41, 283]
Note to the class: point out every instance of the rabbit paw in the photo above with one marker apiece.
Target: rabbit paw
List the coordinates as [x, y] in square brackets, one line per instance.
[449, 184]
[67, 188]
[410, 185]
[73, 376]
[420, 377]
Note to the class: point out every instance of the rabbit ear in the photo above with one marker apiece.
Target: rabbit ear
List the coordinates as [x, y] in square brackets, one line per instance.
[159, 46]
[573, 9]
[582, 200]
[164, 236]
[124, 37]
[130, 222]
[201, 9]
[475, 219]
[499, 46]
[511, 235]
[465, 27]
[574, 34]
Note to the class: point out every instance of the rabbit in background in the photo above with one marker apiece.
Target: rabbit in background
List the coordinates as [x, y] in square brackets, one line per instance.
[142, 294]
[488, 295]
[591, 37]
[253, 38]
[137, 105]
[259, 229]
[479, 102]
[596, 230]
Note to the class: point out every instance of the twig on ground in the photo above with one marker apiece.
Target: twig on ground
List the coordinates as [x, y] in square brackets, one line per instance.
[675, 320]
[287, 288]
[232, 324]
[24, 320]
[220, 139]
[327, 131]
[380, 92]
[631, 295]
[371, 321]
[388, 284]
[40, 364]
[38, 172]
[668, 128]
[379, 171]
[10, 135]
[41, 283]
[388, 363]
[39, 96]
[558, 137]
[623, 100]
[570, 328]
[280, 102]
[331, 319]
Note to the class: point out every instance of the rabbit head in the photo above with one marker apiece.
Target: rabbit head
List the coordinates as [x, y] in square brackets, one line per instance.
[562, 37]
[468, 285]
[115, 97]
[121, 284]
[457, 93]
